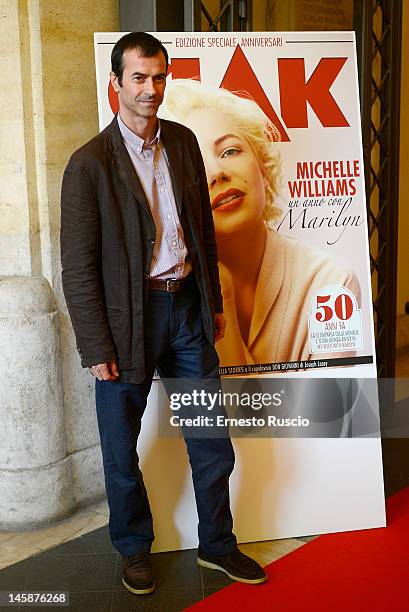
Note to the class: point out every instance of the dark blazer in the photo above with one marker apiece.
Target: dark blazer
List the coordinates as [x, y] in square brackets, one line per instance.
[107, 239]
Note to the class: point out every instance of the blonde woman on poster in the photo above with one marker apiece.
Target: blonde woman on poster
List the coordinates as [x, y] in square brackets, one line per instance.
[268, 279]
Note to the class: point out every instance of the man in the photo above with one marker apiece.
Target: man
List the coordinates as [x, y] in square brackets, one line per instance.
[141, 283]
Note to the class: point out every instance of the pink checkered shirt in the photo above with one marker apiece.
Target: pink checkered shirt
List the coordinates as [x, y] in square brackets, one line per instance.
[170, 256]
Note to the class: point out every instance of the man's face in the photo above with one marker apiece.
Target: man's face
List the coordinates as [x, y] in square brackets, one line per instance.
[143, 84]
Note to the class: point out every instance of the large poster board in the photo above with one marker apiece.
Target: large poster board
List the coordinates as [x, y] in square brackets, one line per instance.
[284, 163]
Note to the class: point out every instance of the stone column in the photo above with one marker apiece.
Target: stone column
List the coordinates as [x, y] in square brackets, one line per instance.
[35, 474]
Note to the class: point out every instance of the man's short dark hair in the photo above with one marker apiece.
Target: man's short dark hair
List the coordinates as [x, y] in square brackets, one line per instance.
[146, 44]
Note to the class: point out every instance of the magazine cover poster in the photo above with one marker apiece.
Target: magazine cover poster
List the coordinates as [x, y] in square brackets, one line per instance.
[278, 124]
[277, 119]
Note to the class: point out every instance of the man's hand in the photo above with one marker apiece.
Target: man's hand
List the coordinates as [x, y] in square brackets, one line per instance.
[220, 322]
[105, 371]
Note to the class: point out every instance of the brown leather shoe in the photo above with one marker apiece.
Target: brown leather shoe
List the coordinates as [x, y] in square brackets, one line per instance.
[137, 574]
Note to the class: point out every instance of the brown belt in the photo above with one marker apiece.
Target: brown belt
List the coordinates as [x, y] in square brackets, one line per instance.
[170, 284]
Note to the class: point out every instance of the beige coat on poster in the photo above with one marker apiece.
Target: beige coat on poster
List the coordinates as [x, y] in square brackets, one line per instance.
[291, 271]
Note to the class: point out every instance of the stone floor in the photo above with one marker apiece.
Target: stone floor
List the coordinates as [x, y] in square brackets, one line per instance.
[16, 545]
[76, 555]
[90, 570]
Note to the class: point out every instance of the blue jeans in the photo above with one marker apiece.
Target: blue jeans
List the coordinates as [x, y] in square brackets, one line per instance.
[176, 345]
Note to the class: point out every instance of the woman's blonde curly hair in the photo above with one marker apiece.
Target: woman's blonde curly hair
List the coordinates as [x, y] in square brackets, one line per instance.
[184, 95]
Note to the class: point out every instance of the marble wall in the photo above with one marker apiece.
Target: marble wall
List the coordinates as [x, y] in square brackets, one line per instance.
[50, 460]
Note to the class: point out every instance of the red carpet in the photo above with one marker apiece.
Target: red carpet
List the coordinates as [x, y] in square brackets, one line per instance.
[348, 572]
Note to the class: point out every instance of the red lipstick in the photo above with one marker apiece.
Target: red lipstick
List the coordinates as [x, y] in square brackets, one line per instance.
[227, 200]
